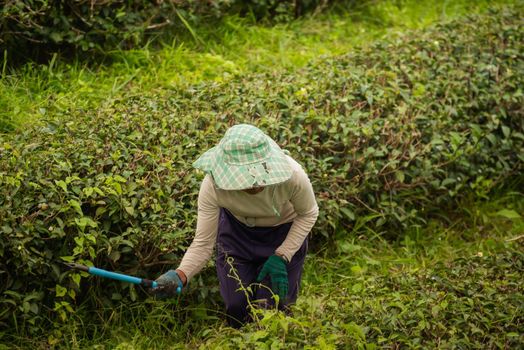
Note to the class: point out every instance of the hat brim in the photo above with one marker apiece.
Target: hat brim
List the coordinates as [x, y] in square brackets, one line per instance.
[273, 170]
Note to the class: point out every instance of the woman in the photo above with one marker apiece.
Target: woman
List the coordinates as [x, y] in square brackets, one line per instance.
[257, 205]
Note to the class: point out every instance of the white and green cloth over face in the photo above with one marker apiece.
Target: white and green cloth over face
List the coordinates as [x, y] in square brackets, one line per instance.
[245, 158]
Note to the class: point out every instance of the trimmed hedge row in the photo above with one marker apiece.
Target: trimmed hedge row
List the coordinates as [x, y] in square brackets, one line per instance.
[387, 134]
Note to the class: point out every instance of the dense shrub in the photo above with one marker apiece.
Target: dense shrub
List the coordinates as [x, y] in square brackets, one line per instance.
[387, 134]
[32, 25]
[34, 28]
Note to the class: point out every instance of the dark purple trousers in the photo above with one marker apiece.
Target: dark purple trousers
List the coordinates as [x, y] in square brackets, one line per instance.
[241, 252]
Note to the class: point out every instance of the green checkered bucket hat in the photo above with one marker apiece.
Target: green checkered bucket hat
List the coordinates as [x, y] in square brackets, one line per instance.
[245, 158]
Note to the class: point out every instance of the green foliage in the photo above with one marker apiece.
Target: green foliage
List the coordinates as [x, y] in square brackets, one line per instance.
[51, 25]
[34, 28]
[388, 133]
[283, 11]
[472, 302]
[449, 284]
[217, 52]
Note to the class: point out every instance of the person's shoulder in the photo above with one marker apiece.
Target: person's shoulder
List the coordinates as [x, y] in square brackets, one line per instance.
[295, 166]
[208, 185]
[207, 193]
[298, 174]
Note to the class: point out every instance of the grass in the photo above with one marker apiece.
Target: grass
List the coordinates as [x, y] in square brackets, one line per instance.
[234, 47]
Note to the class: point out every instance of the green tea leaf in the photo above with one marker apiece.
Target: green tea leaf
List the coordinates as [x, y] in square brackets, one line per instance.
[130, 210]
[348, 213]
[508, 214]
[76, 205]
[60, 291]
[62, 185]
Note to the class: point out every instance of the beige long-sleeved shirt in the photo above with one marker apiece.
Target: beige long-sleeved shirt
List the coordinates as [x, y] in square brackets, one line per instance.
[290, 201]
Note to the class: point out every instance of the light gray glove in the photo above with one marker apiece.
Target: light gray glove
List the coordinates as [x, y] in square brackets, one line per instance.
[169, 284]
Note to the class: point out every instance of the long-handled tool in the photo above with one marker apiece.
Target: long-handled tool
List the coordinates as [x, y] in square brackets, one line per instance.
[113, 275]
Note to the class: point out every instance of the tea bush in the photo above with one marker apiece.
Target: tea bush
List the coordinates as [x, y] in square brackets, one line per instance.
[472, 303]
[388, 134]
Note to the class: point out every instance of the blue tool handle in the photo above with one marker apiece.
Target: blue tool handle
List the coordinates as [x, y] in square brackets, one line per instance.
[121, 277]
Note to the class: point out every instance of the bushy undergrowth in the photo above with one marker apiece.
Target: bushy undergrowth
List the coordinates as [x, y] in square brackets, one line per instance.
[448, 285]
[474, 302]
[35, 28]
[388, 133]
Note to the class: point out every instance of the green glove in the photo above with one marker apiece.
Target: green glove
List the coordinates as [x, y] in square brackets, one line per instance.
[275, 267]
